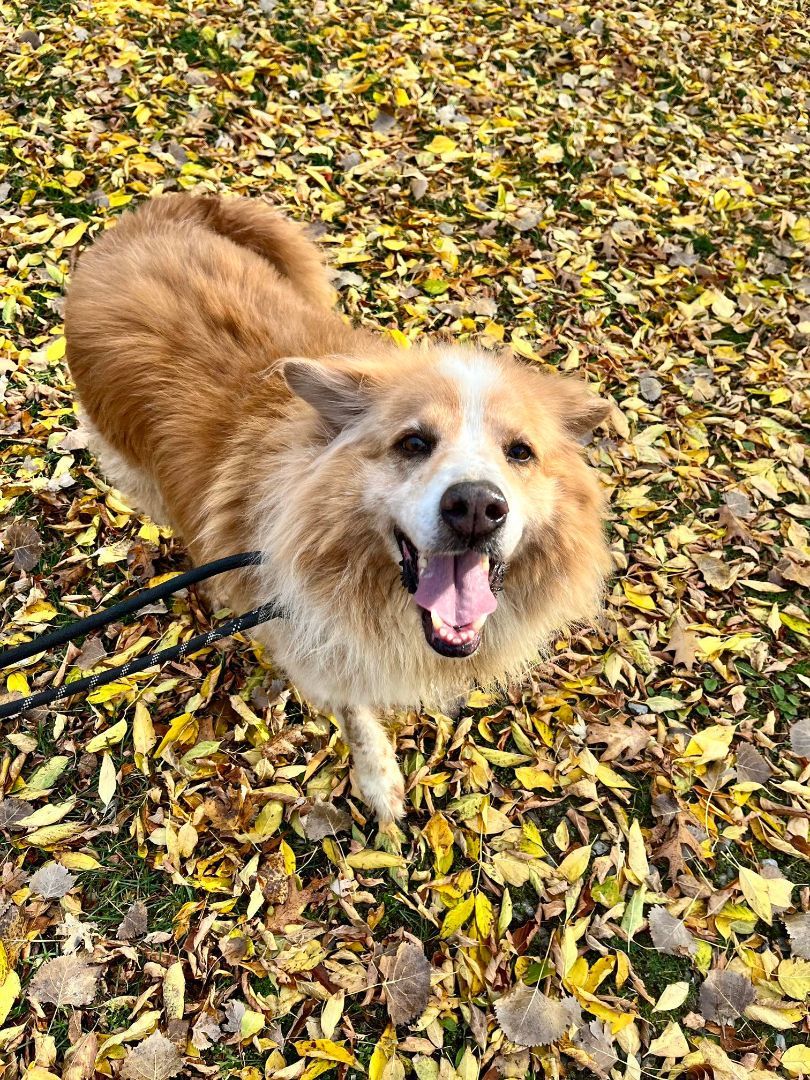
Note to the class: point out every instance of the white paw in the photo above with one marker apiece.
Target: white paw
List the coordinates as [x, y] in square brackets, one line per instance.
[384, 791]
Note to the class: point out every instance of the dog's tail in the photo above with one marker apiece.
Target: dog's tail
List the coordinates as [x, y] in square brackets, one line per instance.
[253, 224]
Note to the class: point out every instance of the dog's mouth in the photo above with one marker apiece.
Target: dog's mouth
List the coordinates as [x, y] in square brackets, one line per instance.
[455, 594]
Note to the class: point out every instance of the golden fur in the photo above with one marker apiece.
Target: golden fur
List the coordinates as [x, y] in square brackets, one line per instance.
[181, 323]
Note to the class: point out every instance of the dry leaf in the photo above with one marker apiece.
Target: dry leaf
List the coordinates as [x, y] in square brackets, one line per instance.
[133, 925]
[407, 982]
[51, 881]
[725, 995]
[529, 1018]
[153, 1059]
[683, 643]
[22, 540]
[752, 767]
[669, 934]
[597, 1042]
[81, 1058]
[800, 738]
[798, 928]
[325, 819]
[67, 980]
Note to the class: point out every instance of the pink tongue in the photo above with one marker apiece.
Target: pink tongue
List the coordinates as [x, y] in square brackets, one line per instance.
[456, 588]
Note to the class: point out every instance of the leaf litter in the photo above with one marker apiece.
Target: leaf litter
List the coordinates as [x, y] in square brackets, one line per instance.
[187, 883]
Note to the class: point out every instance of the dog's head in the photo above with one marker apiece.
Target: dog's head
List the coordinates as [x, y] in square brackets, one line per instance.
[470, 468]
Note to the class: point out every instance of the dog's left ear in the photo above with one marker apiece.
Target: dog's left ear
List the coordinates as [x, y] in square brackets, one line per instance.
[581, 411]
[339, 393]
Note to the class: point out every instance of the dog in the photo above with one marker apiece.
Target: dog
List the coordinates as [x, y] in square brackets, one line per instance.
[426, 515]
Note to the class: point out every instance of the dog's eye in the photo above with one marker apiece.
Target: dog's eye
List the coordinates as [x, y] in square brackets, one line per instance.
[414, 445]
[519, 452]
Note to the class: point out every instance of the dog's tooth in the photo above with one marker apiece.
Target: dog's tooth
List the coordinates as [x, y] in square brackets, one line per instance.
[478, 624]
[422, 563]
[437, 622]
[485, 562]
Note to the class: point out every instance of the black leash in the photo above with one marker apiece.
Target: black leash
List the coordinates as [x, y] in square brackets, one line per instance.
[118, 611]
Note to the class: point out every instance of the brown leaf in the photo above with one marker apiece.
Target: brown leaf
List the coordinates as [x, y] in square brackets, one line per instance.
[22, 541]
[92, 652]
[735, 529]
[680, 837]
[597, 1042]
[133, 924]
[154, 1059]
[669, 935]
[80, 1060]
[800, 738]
[682, 642]
[51, 881]
[716, 573]
[752, 767]
[622, 740]
[407, 982]
[325, 819]
[798, 928]
[67, 980]
[529, 1018]
[725, 995]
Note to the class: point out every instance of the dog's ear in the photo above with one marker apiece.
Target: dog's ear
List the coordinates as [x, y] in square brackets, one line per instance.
[580, 410]
[339, 393]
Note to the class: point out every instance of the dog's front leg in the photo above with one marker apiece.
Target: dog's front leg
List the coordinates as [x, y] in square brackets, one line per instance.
[375, 763]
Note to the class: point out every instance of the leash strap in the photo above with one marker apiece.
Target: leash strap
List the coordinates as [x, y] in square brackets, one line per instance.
[126, 607]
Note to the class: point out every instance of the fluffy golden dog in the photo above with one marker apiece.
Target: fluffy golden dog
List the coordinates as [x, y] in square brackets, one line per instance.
[427, 517]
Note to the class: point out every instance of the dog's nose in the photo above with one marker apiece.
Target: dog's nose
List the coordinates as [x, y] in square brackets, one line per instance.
[473, 510]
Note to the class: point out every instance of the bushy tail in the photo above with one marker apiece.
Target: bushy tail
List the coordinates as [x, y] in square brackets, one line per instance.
[253, 224]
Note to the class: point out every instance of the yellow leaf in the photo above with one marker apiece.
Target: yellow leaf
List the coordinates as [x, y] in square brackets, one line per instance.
[174, 991]
[552, 152]
[106, 780]
[252, 1024]
[762, 893]
[711, 744]
[637, 856]
[479, 700]
[181, 730]
[331, 1013]
[143, 734]
[439, 835]
[610, 778]
[457, 916]
[105, 739]
[8, 993]
[73, 235]
[77, 860]
[55, 350]
[673, 997]
[724, 308]
[54, 835]
[399, 338]
[440, 144]
[325, 1050]
[671, 1043]
[796, 1060]
[73, 177]
[575, 864]
[794, 978]
[401, 98]
[268, 820]
[17, 683]
[484, 915]
[638, 599]
[383, 1052]
[4, 964]
[38, 612]
[368, 859]
[529, 776]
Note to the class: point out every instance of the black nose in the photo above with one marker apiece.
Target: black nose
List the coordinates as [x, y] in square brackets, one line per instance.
[473, 510]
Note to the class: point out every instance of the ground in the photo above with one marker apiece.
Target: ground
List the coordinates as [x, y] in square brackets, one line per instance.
[607, 864]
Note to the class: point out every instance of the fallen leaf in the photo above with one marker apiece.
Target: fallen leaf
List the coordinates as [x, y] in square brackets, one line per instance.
[51, 881]
[153, 1059]
[66, 980]
[724, 996]
[407, 982]
[529, 1018]
[133, 924]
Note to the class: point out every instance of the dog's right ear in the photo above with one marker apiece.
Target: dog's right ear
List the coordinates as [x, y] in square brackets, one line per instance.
[340, 394]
